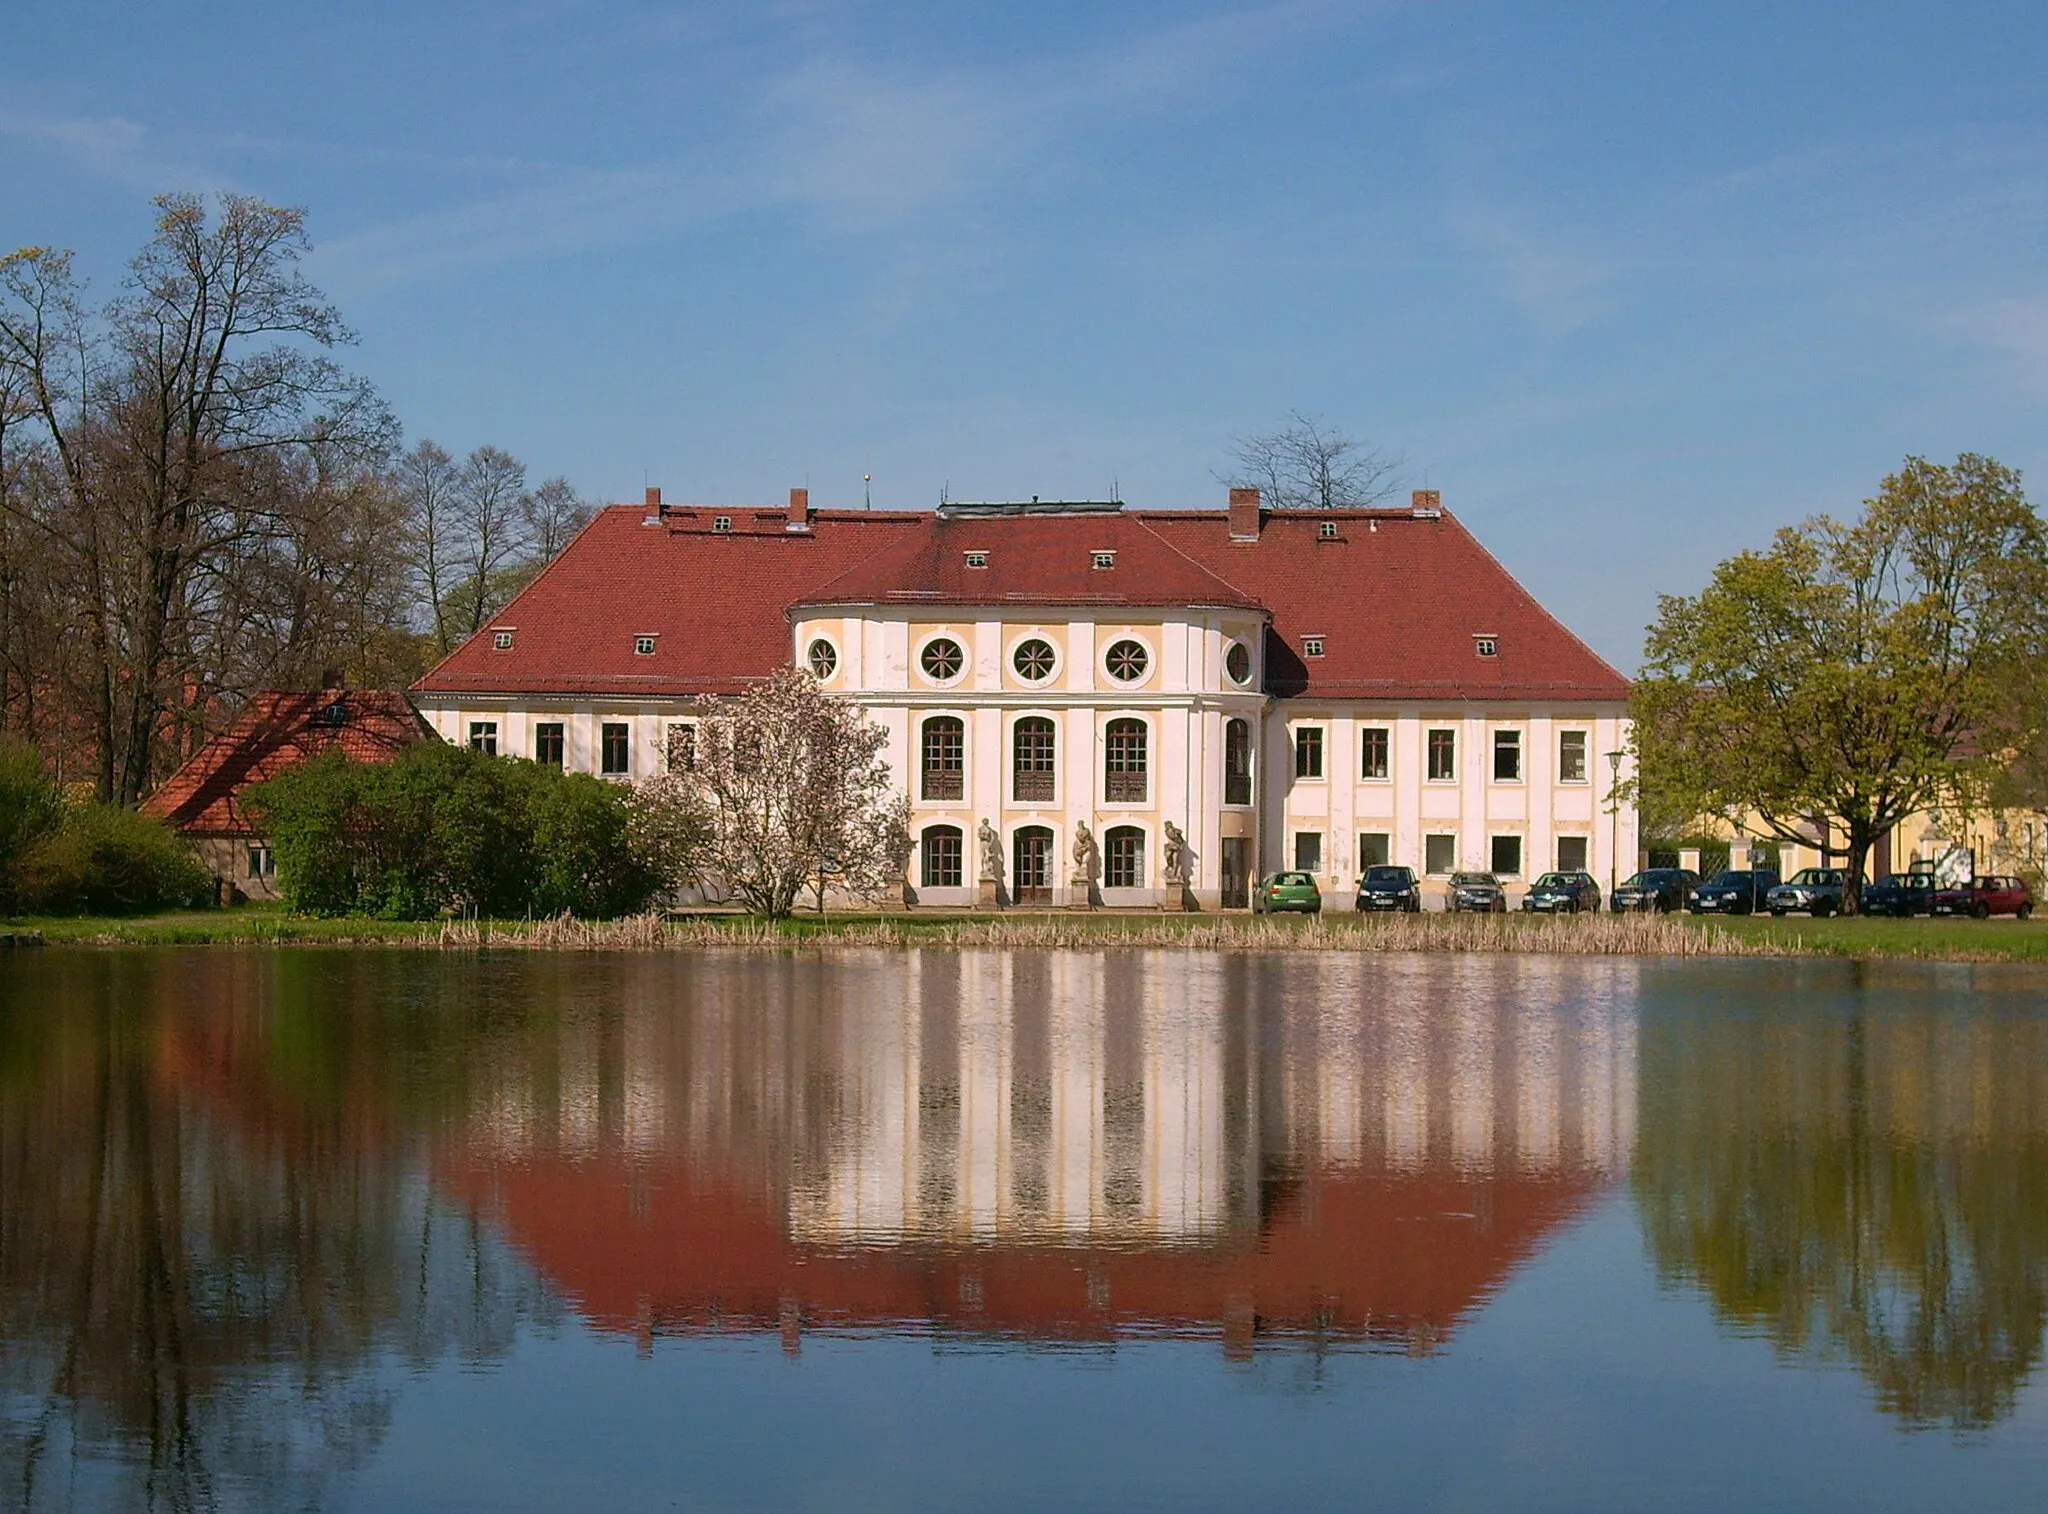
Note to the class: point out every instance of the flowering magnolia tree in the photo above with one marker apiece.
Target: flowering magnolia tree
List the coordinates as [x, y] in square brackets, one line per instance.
[782, 790]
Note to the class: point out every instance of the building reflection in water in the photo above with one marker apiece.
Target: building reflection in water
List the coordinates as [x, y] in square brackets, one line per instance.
[1058, 1146]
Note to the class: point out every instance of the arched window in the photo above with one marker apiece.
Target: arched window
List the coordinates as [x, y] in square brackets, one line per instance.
[945, 758]
[942, 849]
[1031, 865]
[1123, 857]
[1124, 763]
[1032, 748]
[1237, 762]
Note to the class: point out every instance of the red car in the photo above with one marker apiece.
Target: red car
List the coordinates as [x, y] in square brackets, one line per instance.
[1984, 897]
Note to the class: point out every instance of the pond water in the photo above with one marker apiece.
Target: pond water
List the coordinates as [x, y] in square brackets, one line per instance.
[939, 1230]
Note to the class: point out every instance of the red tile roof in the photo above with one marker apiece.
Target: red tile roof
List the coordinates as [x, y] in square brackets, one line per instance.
[1399, 599]
[712, 601]
[276, 730]
[1032, 560]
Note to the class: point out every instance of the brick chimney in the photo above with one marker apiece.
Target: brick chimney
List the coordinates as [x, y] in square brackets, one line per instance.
[1244, 515]
[1422, 500]
[799, 510]
[654, 498]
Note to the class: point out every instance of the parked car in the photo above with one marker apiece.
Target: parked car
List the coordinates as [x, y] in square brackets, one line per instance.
[1562, 894]
[1985, 897]
[1735, 891]
[1387, 887]
[1475, 891]
[1815, 890]
[1662, 889]
[1288, 891]
[1900, 895]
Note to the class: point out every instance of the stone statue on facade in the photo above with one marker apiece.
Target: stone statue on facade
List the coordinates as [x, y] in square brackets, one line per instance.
[991, 853]
[1086, 856]
[1176, 856]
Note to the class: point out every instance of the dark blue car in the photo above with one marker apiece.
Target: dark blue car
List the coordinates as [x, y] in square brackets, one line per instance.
[1737, 891]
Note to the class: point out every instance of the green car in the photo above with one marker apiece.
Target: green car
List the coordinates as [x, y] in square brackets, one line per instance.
[1278, 891]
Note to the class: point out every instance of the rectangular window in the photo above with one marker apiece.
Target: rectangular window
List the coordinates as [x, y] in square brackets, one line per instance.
[1105, 559]
[1311, 646]
[1033, 760]
[643, 646]
[942, 845]
[1308, 751]
[1443, 756]
[1123, 858]
[977, 559]
[1507, 756]
[502, 640]
[1571, 854]
[682, 748]
[547, 743]
[1373, 747]
[262, 862]
[1308, 851]
[1374, 849]
[1571, 756]
[1507, 856]
[1237, 762]
[616, 753]
[945, 758]
[1439, 854]
[483, 737]
[1124, 763]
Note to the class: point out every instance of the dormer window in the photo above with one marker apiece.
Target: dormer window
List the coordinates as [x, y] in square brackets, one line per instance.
[1105, 559]
[977, 559]
[643, 646]
[721, 524]
[1486, 646]
[1311, 646]
[502, 640]
[1328, 530]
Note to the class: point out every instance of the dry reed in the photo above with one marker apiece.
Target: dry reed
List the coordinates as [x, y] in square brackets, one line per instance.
[1581, 935]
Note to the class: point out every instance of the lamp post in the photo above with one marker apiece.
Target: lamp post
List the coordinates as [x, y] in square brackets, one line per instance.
[1614, 821]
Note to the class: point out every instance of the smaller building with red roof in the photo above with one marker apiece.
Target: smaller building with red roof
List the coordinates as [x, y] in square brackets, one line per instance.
[274, 731]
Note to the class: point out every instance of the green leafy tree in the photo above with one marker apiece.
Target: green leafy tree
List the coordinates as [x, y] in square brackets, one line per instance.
[1856, 672]
[445, 830]
[31, 810]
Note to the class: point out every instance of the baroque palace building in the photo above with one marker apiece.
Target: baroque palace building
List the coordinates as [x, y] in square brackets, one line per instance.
[1315, 690]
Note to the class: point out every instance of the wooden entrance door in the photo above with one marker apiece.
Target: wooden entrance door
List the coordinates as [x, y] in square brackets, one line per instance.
[1031, 865]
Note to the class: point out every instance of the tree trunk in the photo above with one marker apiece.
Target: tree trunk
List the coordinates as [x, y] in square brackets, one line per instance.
[1862, 837]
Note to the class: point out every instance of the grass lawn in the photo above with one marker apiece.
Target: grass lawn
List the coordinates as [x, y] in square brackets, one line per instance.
[2000, 939]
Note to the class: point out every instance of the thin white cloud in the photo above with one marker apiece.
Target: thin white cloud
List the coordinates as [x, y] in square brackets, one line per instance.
[118, 150]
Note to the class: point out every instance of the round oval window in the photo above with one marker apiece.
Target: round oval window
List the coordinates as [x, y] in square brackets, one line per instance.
[942, 659]
[1238, 662]
[1127, 661]
[824, 659]
[1033, 660]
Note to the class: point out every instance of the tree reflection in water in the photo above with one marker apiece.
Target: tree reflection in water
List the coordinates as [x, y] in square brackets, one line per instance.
[1861, 1175]
[206, 1247]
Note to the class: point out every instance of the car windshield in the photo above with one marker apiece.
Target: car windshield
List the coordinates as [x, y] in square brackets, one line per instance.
[1816, 876]
[1555, 880]
[1386, 875]
[1731, 879]
[1475, 880]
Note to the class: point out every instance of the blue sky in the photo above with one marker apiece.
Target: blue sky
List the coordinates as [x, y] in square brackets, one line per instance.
[1631, 284]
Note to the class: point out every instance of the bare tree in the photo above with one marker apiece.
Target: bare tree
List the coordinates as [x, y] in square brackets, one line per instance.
[1308, 464]
[427, 479]
[787, 789]
[555, 512]
[167, 421]
[491, 505]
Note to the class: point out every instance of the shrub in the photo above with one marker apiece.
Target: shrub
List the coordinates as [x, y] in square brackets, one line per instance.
[105, 860]
[445, 830]
[31, 810]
